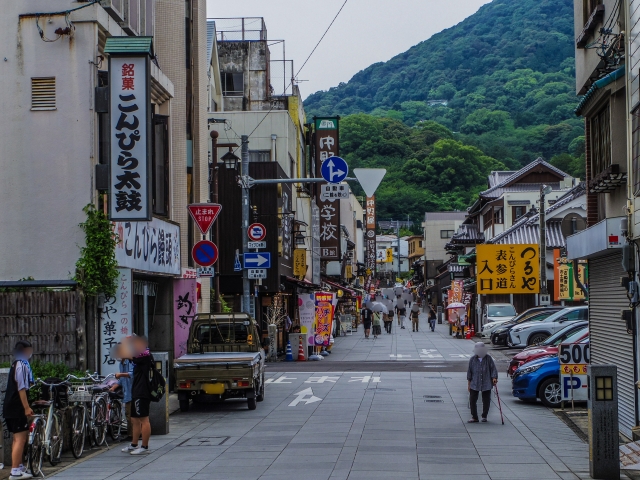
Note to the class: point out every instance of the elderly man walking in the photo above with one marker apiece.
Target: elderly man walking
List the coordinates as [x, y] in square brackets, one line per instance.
[482, 375]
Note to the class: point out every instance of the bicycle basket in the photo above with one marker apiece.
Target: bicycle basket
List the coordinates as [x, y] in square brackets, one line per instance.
[80, 394]
[60, 393]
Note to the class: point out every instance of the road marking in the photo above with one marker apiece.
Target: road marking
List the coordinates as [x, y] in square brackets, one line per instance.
[305, 396]
[399, 356]
[280, 380]
[365, 379]
[322, 379]
[430, 355]
[460, 355]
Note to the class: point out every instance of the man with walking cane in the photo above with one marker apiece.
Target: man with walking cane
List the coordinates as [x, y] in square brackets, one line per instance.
[482, 375]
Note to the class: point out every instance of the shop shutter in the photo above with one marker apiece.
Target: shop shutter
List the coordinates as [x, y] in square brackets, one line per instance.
[610, 342]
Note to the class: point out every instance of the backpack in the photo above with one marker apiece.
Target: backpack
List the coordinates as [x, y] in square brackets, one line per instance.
[157, 384]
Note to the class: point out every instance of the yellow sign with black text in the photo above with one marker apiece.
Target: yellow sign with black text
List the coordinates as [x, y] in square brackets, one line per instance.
[389, 258]
[299, 262]
[508, 269]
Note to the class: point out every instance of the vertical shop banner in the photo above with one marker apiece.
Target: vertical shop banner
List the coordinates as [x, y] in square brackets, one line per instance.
[455, 294]
[565, 285]
[315, 244]
[130, 117]
[115, 321]
[327, 145]
[185, 308]
[324, 318]
[370, 238]
[307, 313]
[509, 268]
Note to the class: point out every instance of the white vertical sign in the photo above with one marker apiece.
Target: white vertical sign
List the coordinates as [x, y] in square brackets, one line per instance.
[116, 321]
[129, 111]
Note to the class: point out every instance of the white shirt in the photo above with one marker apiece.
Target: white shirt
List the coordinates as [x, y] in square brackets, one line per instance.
[22, 376]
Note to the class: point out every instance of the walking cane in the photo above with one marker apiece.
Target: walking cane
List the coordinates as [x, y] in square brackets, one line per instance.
[499, 404]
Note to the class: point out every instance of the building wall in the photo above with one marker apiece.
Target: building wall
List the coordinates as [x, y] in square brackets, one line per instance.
[433, 244]
[48, 157]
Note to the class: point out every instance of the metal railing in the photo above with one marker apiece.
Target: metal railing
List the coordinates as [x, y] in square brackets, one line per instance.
[240, 29]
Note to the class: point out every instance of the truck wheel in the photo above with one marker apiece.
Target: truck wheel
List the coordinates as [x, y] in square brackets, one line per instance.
[184, 405]
[260, 396]
[251, 403]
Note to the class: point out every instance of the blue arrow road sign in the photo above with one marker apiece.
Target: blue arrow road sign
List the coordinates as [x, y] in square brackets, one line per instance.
[334, 169]
[257, 260]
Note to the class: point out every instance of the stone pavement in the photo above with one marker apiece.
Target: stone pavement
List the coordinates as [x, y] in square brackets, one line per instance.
[339, 426]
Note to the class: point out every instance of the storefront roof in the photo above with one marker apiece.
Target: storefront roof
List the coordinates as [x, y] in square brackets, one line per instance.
[301, 283]
[340, 287]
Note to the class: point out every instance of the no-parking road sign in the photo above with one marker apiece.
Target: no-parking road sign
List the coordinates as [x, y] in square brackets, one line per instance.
[205, 253]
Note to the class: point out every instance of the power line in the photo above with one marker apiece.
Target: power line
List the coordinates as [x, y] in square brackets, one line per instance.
[305, 62]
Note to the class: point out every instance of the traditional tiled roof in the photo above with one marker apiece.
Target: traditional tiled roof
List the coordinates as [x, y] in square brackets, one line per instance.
[467, 234]
[498, 176]
[527, 229]
[498, 189]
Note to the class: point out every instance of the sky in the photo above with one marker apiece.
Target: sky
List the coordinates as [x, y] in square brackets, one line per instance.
[366, 32]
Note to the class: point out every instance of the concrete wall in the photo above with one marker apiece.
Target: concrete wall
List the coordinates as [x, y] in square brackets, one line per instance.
[47, 157]
[433, 244]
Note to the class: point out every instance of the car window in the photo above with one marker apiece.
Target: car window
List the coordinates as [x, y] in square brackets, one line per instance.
[572, 336]
[557, 337]
[580, 314]
[501, 310]
[211, 334]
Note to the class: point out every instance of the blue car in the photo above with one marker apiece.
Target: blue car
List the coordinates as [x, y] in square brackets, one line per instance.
[539, 379]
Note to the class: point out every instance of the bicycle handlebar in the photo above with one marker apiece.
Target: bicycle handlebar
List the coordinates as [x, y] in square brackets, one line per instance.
[42, 382]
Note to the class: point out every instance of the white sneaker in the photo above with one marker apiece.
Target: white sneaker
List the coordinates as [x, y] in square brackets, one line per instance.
[140, 451]
[129, 448]
[21, 476]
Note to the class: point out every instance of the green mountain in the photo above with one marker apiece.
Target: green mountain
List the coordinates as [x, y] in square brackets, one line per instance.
[502, 80]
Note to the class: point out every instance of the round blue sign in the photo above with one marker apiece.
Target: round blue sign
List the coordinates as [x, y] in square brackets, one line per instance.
[205, 253]
[334, 169]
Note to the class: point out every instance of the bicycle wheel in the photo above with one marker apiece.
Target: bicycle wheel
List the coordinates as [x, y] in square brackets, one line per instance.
[56, 440]
[36, 446]
[77, 431]
[115, 420]
[100, 422]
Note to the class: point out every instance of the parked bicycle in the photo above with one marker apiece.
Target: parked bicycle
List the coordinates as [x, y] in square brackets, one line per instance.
[88, 417]
[113, 400]
[46, 429]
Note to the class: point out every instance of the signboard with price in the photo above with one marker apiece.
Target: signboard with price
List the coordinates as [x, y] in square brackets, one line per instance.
[574, 359]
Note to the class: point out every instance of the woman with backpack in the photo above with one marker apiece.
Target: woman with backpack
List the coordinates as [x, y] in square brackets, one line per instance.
[377, 325]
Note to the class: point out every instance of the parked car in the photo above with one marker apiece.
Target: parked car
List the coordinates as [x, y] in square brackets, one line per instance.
[574, 332]
[495, 314]
[500, 335]
[534, 333]
[539, 379]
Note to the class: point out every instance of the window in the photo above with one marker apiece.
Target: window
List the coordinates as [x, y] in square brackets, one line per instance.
[160, 165]
[498, 216]
[446, 233]
[259, 155]
[600, 142]
[517, 212]
[232, 84]
[43, 93]
[420, 244]
[487, 219]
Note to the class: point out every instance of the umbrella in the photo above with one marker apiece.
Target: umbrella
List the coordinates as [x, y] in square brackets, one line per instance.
[379, 307]
[456, 305]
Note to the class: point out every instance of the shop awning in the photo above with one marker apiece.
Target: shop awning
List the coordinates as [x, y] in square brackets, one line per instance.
[301, 283]
[340, 287]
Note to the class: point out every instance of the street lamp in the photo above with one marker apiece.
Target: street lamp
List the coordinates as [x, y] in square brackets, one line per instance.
[544, 190]
[230, 160]
[300, 239]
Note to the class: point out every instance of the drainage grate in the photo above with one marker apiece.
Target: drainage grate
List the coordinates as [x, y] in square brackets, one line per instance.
[432, 396]
[434, 401]
[203, 441]
[382, 389]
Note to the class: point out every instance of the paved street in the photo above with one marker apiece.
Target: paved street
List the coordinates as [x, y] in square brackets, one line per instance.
[358, 425]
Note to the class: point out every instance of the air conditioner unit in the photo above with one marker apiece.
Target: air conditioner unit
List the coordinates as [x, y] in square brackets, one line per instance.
[131, 21]
[114, 8]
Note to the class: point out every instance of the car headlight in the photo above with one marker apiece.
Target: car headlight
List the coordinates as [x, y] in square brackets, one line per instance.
[518, 329]
[532, 368]
[500, 330]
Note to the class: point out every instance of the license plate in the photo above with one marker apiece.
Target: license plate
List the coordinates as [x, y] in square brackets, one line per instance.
[213, 388]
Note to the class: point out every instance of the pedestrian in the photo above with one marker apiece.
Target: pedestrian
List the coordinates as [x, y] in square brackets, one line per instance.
[367, 317]
[377, 325]
[125, 382]
[432, 318]
[387, 319]
[415, 318]
[16, 409]
[390, 324]
[482, 375]
[402, 312]
[140, 397]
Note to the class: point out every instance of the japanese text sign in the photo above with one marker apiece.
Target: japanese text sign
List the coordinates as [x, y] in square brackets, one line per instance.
[324, 318]
[370, 237]
[185, 308]
[509, 268]
[329, 229]
[574, 359]
[116, 321]
[565, 285]
[204, 214]
[326, 143]
[315, 244]
[129, 192]
[299, 262]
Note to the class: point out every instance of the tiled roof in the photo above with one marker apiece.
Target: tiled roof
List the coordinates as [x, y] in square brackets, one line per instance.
[467, 234]
[527, 229]
[211, 35]
[497, 190]
[498, 176]
[126, 45]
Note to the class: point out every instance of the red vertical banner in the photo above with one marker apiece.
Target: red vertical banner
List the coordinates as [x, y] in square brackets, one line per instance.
[370, 238]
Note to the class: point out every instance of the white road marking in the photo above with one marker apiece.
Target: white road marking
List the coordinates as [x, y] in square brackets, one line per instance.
[305, 396]
[322, 379]
[365, 379]
[279, 380]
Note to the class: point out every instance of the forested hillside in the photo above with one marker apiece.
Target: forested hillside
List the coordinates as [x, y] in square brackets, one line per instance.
[502, 81]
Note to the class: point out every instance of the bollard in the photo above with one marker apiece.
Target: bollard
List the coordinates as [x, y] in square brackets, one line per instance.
[602, 404]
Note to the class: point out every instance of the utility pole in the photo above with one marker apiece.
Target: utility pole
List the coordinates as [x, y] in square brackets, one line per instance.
[213, 198]
[246, 287]
[398, 246]
[544, 190]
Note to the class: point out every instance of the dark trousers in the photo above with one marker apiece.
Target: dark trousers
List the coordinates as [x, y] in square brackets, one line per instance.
[432, 322]
[473, 401]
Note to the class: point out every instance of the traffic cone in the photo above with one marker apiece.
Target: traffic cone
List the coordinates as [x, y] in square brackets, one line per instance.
[468, 335]
[473, 331]
[301, 352]
[289, 357]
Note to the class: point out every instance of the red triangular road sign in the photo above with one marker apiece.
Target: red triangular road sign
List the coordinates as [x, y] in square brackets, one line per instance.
[204, 214]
